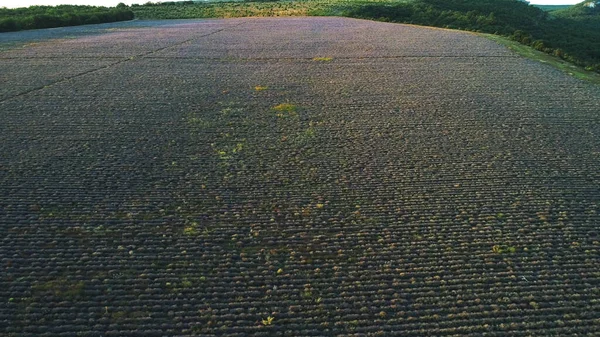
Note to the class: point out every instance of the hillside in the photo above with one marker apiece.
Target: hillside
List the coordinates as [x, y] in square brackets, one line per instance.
[584, 10]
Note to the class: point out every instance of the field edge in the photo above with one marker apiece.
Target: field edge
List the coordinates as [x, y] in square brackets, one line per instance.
[536, 55]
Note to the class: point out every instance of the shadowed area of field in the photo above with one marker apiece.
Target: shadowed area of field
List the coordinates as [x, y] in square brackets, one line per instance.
[297, 176]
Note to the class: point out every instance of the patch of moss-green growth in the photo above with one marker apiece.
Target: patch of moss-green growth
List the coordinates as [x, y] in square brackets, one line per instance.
[286, 110]
[60, 287]
[310, 132]
[503, 249]
[191, 229]
[123, 315]
[118, 315]
[198, 122]
[226, 152]
[186, 283]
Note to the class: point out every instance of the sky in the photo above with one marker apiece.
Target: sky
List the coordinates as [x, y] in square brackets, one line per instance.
[27, 3]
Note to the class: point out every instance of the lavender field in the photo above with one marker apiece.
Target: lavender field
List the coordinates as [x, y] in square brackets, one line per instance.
[293, 177]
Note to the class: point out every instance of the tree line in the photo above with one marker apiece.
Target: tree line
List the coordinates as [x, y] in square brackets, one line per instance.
[35, 17]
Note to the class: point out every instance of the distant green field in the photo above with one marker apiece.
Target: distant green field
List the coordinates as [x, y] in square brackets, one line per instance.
[550, 8]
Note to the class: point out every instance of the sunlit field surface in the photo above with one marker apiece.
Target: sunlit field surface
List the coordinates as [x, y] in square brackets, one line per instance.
[293, 176]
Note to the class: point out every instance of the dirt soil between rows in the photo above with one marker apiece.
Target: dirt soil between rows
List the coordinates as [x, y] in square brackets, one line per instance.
[293, 176]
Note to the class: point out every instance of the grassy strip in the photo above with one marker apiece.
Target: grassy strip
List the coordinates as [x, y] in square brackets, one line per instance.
[556, 62]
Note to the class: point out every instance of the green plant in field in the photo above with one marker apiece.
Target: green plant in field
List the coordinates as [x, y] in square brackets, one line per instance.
[198, 122]
[304, 136]
[268, 321]
[285, 107]
[503, 249]
[223, 154]
[191, 229]
[227, 152]
[310, 132]
[119, 315]
[322, 59]
[186, 283]
[238, 147]
[284, 110]
[308, 291]
[260, 88]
